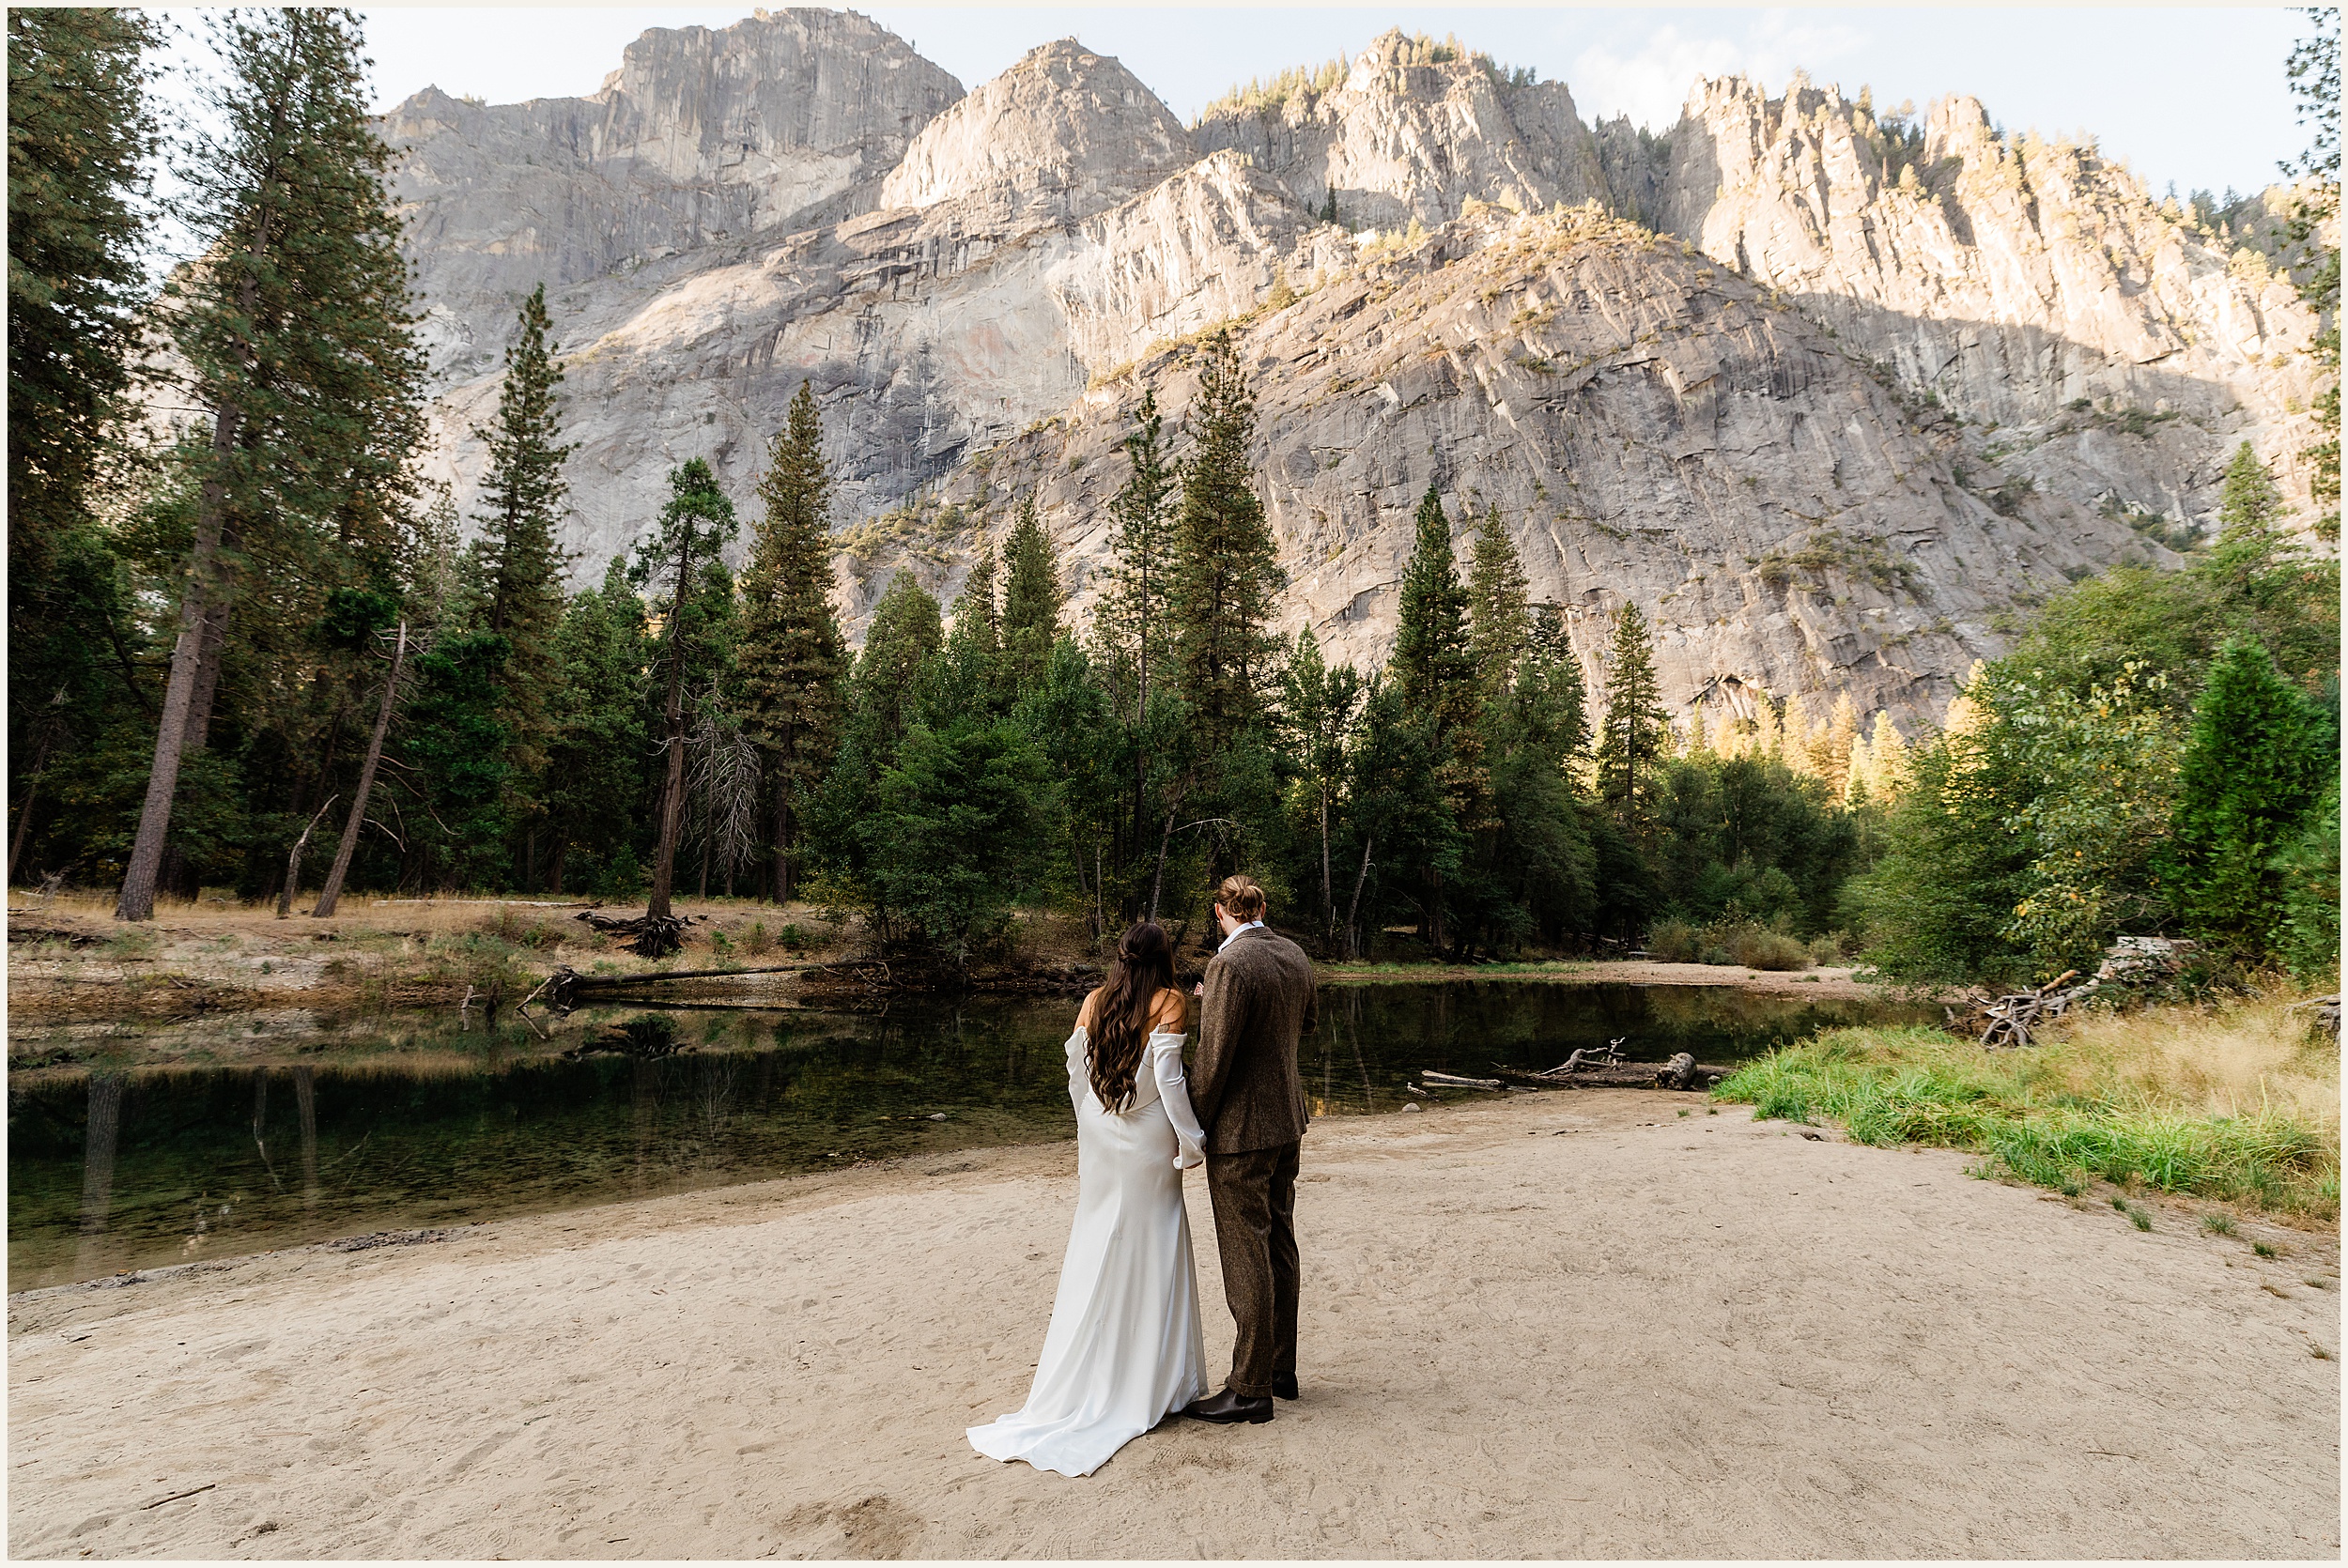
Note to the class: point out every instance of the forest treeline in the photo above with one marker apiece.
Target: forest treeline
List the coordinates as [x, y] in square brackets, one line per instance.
[257, 652]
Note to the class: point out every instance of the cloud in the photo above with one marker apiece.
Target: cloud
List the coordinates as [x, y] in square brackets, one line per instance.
[1648, 77]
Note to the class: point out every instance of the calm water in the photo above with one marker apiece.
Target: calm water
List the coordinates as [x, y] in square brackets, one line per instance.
[403, 1122]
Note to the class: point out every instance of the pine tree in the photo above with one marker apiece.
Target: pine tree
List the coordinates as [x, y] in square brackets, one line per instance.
[298, 340]
[1636, 733]
[970, 677]
[1500, 615]
[1317, 709]
[595, 773]
[1434, 666]
[1032, 600]
[523, 500]
[1830, 749]
[1136, 610]
[78, 135]
[1329, 207]
[1226, 570]
[456, 749]
[794, 659]
[2259, 756]
[694, 525]
[906, 634]
[1436, 680]
[1566, 693]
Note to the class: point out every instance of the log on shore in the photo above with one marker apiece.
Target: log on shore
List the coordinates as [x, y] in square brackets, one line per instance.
[1618, 1075]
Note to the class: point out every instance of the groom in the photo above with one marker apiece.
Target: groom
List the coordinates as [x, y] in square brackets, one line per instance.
[1259, 997]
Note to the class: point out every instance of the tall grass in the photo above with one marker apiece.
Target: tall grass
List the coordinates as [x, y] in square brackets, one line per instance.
[2233, 1104]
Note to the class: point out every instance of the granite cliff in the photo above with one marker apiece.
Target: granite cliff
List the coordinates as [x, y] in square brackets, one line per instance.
[1822, 391]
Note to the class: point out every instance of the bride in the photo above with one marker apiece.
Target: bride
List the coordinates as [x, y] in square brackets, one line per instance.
[1123, 1348]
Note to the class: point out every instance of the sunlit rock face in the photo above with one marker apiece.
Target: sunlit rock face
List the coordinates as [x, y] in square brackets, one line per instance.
[700, 139]
[1397, 141]
[1823, 392]
[2111, 355]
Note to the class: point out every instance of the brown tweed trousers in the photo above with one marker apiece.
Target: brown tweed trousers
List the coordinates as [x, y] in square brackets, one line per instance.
[1250, 1099]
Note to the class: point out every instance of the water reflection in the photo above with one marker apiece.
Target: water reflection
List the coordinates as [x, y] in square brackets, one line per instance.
[111, 1170]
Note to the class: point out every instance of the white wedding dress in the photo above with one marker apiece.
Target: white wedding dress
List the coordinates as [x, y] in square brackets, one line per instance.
[1123, 1348]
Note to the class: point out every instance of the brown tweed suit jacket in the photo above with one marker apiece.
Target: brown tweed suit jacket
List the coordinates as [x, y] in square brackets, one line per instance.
[1245, 1086]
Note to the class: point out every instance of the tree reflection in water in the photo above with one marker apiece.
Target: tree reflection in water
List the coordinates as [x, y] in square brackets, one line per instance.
[416, 1125]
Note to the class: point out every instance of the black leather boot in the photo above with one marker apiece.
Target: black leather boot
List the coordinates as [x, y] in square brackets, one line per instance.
[1284, 1385]
[1228, 1406]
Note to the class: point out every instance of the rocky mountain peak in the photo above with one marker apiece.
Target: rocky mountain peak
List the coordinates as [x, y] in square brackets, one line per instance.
[1822, 388]
[1414, 130]
[702, 136]
[1062, 133]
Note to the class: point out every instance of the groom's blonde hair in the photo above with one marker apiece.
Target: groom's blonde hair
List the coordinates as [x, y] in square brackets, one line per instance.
[1241, 897]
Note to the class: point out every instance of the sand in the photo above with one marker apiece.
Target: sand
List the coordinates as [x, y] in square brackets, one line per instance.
[1536, 1326]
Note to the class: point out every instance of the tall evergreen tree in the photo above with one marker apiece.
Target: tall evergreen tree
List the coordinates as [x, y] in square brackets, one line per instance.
[794, 660]
[1317, 705]
[297, 339]
[1636, 735]
[2259, 756]
[1226, 570]
[1135, 609]
[694, 525]
[595, 771]
[1500, 611]
[1434, 666]
[523, 500]
[970, 677]
[906, 634]
[78, 138]
[457, 748]
[1032, 601]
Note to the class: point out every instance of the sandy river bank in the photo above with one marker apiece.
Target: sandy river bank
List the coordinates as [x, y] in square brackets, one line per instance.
[1549, 1325]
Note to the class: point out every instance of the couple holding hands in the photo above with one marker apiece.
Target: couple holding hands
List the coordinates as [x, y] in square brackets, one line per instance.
[1124, 1350]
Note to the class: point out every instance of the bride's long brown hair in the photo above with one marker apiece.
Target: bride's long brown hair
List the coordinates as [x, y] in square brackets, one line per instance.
[1121, 1018]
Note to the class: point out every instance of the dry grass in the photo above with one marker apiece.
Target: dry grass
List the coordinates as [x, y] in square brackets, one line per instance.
[2237, 1059]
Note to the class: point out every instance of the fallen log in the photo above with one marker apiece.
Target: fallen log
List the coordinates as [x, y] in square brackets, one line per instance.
[1452, 1080]
[563, 989]
[1617, 1075]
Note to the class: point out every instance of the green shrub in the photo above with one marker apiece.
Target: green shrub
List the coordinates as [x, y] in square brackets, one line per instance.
[1756, 948]
[755, 942]
[1674, 942]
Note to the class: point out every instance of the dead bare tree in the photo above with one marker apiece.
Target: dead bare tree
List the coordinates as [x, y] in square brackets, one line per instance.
[332, 891]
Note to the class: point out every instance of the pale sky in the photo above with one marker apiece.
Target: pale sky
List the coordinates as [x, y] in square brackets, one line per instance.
[2194, 96]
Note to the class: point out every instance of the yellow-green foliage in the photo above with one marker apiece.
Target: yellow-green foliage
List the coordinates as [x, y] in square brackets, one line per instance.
[2231, 1103]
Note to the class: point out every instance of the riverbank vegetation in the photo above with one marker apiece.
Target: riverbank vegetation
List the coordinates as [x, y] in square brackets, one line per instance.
[2237, 1103]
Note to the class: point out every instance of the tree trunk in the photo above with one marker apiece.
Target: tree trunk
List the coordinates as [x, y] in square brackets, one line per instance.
[1328, 897]
[783, 839]
[1353, 910]
[560, 851]
[1157, 883]
[136, 901]
[349, 846]
[24, 812]
[173, 873]
[293, 862]
[672, 795]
